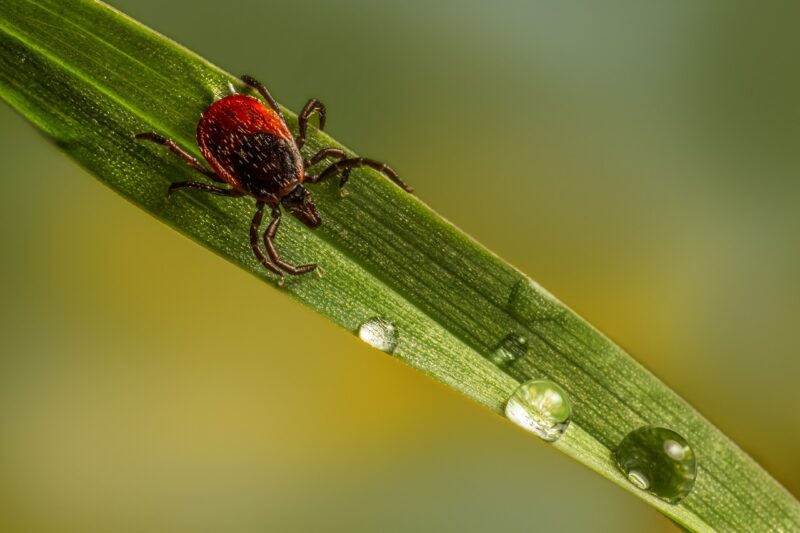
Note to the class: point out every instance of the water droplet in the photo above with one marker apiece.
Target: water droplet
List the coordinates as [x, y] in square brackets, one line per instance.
[379, 333]
[510, 349]
[541, 407]
[659, 461]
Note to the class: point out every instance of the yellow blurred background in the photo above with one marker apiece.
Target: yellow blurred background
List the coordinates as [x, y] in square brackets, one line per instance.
[639, 161]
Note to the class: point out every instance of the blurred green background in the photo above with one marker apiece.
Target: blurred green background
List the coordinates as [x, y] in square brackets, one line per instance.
[639, 161]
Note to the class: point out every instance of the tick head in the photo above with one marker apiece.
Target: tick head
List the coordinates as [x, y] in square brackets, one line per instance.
[300, 205]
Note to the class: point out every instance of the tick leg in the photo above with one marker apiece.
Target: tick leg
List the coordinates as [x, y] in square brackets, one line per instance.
[269, 235]
[219, 191]
[177, 150]
[254, 227]
[264, 92]
[345, 166]
[324, 154]
[302, 120]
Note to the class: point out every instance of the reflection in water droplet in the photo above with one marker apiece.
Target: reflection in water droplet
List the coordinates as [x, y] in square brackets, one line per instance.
[675, 450]
[659, 461]
[379, 333]
[510, 349]
[638, 479]
[541, 407]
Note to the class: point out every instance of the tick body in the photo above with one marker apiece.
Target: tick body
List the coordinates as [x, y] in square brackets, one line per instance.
[250, 148]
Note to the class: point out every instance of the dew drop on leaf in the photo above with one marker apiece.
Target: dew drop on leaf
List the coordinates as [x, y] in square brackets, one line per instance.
[379, 333]
[659, 461]
[511, 348]
[541, 407]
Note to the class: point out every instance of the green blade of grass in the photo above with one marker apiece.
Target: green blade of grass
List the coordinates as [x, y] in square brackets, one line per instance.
[91, 78]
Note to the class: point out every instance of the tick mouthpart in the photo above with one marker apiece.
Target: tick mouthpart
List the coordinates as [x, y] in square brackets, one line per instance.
[298, 202]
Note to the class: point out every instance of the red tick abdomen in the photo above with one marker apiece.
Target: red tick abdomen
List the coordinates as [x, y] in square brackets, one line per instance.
[248, 146]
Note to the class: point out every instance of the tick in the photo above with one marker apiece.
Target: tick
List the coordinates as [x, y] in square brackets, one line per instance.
[249, 147]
